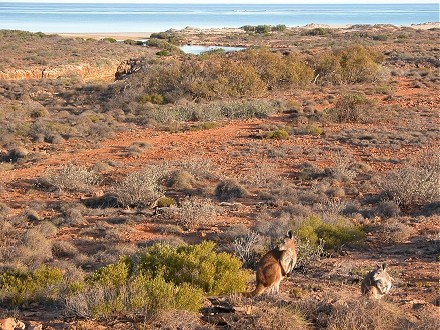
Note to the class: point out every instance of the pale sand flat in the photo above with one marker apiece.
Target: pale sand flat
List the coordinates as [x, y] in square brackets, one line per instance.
[146, 35]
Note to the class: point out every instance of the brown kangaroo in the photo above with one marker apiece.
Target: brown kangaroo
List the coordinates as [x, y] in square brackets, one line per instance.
[275, 265]
[377, 283]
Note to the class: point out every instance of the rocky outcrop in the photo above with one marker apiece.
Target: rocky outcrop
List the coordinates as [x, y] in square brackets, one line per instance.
[85, 71]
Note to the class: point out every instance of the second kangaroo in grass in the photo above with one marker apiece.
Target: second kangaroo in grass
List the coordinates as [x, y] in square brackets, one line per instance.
[377, 283]
[275, 265]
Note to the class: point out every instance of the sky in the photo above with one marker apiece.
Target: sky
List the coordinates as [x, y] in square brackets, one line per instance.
[230, 1]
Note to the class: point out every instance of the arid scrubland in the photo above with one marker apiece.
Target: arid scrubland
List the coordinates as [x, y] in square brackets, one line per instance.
[126, 203]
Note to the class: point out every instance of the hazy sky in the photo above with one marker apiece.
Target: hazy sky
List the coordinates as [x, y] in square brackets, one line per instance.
[232, 1]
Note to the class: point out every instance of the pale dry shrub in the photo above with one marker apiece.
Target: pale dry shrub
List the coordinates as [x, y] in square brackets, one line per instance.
[365, 315]
[343, 168]
[269, 317]
[248, 247]
[395, 231]
[308, 253]
[70, 177]
[262, 174]
[34, 248]
[387, 209]
[229, 189]
[142, 188]
[181, 180]
[63, 249]
[178, 319]
[416, 184]
[272, 227]
[425, 323]
[8, 239]
[195, 212]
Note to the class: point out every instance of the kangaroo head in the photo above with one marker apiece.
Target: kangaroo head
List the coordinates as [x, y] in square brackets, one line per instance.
[288, 242]
[380, 272]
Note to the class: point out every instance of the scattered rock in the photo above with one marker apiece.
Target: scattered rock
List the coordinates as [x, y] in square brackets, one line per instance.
[11, 323]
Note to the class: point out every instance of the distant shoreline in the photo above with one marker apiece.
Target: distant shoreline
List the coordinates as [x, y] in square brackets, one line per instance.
[146, 35]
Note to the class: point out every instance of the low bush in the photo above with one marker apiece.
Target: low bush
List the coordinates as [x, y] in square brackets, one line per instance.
[332, 235]
[41, 285]
[199, 265]
[278, 134]
[352, 64]
[229, 189]
[69, 178]
[248, 247]
[195, 212]
[140, 189]
[351, 108]
[269, 316]
[364, 315]
[117, 289]
[414, 184]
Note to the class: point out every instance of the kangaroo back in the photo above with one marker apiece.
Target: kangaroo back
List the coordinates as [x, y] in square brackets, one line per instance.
[275, 265]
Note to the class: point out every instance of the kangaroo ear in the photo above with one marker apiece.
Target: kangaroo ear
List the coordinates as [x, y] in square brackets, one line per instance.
[384, 265]
[290, 234]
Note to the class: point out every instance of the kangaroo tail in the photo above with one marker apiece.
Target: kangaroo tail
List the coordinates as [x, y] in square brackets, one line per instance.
[258, 290]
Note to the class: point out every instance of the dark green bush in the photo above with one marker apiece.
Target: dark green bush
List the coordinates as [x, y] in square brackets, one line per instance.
[279, 27]
[111, 40]
[263, 29]
[319, 31]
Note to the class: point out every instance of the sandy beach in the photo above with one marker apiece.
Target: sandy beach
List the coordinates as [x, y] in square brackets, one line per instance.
[146, 35]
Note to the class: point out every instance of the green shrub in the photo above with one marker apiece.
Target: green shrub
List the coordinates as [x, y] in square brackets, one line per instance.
[279, 27]
[278, 134]
[337, 235]
[163, 52]
[320, 31]
[113, 275]
[198, 265]
[163, 45]
[152, 98]
[332, 235]
[153, 293]
[41, 285]
[116, 290]
[380, 37]
[165, 201]
[353, 64]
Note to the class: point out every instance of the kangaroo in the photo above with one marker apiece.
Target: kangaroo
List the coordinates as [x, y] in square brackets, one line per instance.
[377, 283]
[275, 265]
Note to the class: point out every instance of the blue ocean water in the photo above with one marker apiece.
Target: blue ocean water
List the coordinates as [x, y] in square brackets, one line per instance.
[96, 18]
